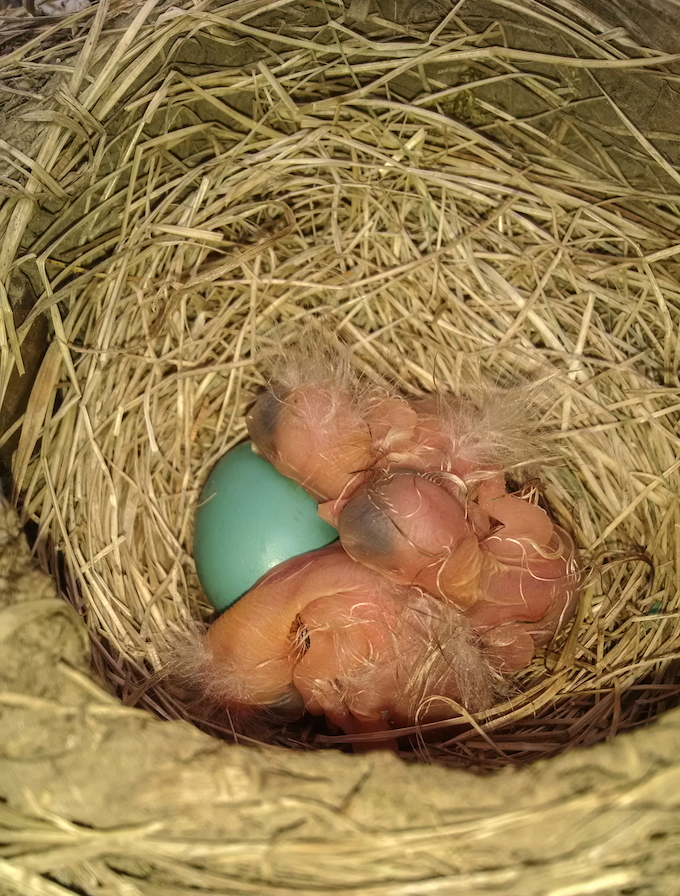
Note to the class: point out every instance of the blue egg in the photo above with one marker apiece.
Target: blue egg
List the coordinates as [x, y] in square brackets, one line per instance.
[251, 518]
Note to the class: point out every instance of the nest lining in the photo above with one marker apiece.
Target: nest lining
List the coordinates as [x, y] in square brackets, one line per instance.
[200, 218]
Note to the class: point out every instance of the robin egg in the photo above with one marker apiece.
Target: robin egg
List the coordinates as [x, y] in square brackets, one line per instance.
[250, 518]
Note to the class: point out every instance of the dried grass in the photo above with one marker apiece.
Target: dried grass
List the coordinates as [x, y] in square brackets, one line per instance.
[203, 205]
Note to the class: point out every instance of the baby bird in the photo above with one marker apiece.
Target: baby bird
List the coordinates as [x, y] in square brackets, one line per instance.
[323, 633]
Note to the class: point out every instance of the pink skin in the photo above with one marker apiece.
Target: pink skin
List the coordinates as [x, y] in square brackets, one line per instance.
[318, 439]
[330, 443]
[360, 669]
[435, 445]
[515, 582]
[253, 637]
[341, 637]
[321, 438]
[425, 537]
[398, 481]
[535, 584]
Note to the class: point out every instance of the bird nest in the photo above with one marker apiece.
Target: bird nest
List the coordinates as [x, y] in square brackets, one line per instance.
[463, 202]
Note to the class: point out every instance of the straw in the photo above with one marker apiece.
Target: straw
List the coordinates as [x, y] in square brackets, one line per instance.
[377, 179]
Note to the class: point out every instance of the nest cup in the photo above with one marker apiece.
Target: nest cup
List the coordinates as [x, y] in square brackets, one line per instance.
[466, 200]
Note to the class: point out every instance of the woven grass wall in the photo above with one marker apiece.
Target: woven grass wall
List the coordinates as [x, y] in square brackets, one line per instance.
[475, 193]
